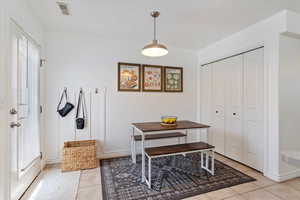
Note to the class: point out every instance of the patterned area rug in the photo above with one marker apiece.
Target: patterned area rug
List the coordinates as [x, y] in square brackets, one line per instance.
[173, 178]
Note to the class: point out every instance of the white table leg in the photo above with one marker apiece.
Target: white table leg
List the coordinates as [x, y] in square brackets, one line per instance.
[143, 156]
[202, 160]
[149, 171]
[207, 135]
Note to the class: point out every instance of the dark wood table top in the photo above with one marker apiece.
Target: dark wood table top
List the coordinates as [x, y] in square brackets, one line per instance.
[178, 148]
[156, 126]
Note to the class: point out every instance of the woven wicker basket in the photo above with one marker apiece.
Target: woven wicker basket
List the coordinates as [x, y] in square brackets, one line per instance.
[79, 155]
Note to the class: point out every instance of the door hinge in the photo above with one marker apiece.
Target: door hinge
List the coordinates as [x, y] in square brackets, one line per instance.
[41, 155]
[41, 109]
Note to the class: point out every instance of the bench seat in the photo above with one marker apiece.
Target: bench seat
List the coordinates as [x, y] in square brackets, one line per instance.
[160, 136]
[177, 149]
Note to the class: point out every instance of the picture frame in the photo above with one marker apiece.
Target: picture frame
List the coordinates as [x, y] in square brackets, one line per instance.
[129, 77]
[173, 79]
[152, 78]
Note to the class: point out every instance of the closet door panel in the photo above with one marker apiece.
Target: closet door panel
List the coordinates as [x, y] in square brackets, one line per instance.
[218, 135]
[218, 108]
[253, 107]
[233, 113]
[206, 84]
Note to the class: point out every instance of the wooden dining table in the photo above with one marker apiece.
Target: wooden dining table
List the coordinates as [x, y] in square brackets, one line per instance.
[148, 128]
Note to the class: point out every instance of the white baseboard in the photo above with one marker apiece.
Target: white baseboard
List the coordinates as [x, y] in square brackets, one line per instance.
[283, 176]
[52, 161]
[100, 155]
[113, 154]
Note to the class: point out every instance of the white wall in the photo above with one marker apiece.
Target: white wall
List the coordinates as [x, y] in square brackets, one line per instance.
[88, 61]
[266, 33]
[289, 98]
[22, 15]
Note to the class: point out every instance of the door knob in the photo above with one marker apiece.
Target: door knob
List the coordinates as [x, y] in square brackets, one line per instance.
[15, 124]
[234, 113]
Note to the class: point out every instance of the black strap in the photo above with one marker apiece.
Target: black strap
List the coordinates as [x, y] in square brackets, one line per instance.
[80, 104]
[64, 94]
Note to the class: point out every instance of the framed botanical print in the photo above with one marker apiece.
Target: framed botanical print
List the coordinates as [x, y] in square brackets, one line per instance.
[173, 80]
[152, 78]
[129, 77]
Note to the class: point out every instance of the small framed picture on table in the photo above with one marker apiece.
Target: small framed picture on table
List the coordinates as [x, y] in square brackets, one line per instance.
[173, 80]
[129, 77]
[152, 78]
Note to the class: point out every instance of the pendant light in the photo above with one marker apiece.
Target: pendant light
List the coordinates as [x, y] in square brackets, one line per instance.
[155, 49]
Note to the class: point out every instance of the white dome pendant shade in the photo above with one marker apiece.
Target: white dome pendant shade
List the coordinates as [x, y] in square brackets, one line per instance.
[155, 49]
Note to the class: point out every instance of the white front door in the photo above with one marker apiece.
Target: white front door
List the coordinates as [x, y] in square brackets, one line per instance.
[24, 113]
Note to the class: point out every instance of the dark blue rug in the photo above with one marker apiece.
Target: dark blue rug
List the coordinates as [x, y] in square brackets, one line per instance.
[173, 178]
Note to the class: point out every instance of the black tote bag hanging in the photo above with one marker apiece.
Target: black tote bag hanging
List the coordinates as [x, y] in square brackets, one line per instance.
[80, 121]
[68, 107]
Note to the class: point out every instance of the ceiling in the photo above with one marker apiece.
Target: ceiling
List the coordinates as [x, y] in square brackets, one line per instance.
[190, 24]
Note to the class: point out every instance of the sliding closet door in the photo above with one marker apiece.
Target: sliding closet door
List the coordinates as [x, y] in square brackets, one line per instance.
[253, 108]
[233, 111]
[218, 108]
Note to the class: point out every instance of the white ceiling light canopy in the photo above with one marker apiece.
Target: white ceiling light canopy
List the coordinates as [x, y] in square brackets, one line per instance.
[155, 49]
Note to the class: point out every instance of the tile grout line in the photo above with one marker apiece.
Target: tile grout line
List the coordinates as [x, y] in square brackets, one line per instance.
[278, 195]
[76, 196]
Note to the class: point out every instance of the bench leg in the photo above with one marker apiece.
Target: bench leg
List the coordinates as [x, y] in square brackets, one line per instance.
[208, 161]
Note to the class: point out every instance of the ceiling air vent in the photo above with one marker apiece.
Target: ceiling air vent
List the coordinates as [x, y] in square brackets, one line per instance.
[63, 7]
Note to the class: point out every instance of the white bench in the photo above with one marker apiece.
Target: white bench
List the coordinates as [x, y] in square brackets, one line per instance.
[206, 151]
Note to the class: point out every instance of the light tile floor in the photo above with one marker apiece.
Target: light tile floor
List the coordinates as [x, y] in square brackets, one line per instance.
[86, 185]
[51, 184]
